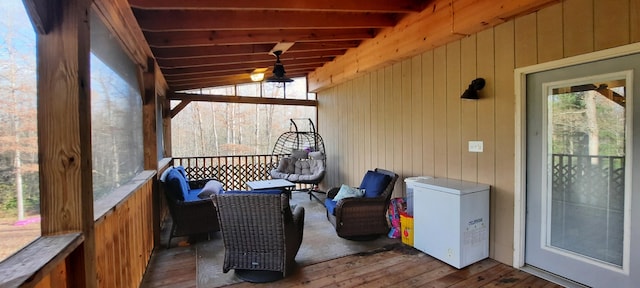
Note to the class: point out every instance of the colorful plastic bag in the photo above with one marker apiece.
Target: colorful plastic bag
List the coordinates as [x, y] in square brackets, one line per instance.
[396, 206]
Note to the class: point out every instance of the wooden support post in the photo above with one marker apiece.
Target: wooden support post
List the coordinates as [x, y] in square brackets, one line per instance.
[166, 125]
[149, 126]
[149, 117]
[64, 132]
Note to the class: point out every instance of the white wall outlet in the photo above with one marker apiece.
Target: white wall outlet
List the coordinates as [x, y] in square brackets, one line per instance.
[476, 146]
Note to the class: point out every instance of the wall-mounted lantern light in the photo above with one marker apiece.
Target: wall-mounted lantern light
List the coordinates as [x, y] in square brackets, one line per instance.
[472, 92]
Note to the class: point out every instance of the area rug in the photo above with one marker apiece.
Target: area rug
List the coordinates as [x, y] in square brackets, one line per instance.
[319, 243]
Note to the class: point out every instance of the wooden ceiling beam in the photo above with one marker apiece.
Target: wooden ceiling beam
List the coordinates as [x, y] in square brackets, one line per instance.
[396, 6]
[222, 50]
[185, 20]
[301, 70]
[179, 107]
[224, 81]
[229, 79]
[209, 83]
[236, 68]
[241, 99]
[234, 50]
[319, 46]
[213, 60]
[234, 37]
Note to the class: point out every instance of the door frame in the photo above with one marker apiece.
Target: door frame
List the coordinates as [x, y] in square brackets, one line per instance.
[520, 87]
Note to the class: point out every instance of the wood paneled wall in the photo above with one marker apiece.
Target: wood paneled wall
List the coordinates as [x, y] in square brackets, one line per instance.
[124, 240]
[409, 118]
[124, 243]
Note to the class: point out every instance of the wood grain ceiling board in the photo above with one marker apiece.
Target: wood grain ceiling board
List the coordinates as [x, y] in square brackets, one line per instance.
[200, 43]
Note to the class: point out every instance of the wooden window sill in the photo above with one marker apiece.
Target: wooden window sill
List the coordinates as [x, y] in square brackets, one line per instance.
[37, 259]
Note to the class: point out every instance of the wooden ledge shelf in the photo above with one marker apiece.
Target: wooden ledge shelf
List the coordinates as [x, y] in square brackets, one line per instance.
[38, 259]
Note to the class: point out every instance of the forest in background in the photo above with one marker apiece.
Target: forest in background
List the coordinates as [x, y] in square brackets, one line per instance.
[19, 191]
[19, 179]
[224, 129]
[587, 123]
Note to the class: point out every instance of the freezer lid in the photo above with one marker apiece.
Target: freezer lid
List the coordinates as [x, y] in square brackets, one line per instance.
[453, 186]
[416, 178]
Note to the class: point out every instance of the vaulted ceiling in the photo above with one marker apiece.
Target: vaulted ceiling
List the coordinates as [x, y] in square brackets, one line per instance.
[200, 43]
[205, 43]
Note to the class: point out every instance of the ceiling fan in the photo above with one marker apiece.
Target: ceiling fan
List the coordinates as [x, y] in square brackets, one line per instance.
[278, 70]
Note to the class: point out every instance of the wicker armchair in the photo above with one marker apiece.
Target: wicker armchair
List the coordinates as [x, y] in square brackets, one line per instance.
[189, 216]
[261, 235]
[361, 218]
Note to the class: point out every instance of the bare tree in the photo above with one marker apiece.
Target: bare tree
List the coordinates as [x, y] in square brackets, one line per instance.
[197, 118]
[17, 67]
[593, 130]
[216, 143]
[233, 128]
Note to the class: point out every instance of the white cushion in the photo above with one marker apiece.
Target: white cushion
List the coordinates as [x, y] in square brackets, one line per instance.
[212, 187]
[348, 192]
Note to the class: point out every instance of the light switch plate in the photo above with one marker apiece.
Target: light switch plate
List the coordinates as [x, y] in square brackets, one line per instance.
[476, 146]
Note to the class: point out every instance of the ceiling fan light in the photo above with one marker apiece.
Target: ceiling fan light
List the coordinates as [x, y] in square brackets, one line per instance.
[277, 79]
[257, 76]
[278, 71]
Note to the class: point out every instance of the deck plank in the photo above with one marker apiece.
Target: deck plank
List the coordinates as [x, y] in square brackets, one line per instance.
[170, 268]
[399, 267]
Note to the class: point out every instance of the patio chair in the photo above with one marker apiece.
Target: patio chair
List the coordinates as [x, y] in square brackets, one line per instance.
[305, 162]
[363, 218]
[190, 214]
[261, 234]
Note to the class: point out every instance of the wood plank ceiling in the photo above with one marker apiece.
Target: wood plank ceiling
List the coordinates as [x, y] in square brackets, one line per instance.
[200, 43]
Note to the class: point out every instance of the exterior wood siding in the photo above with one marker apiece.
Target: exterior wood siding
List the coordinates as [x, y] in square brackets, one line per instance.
[408, 117]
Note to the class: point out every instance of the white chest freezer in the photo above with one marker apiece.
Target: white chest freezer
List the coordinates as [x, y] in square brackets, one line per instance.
[451, 220]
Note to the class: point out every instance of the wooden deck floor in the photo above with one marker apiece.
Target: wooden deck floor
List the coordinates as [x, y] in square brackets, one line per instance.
[400, 267]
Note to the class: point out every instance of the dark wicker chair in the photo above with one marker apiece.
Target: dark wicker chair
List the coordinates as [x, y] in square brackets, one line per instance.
[189, 218]
[362, 218]
[261, 234]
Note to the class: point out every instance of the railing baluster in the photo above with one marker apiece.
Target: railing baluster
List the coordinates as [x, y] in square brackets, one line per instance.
[233, 171]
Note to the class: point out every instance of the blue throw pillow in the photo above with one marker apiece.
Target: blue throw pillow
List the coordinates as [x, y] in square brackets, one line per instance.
[374, 183]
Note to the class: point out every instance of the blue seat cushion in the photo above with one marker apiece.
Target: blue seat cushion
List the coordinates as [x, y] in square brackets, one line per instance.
[178, 185]
[193, 195]
[374, 183]
[330, 205]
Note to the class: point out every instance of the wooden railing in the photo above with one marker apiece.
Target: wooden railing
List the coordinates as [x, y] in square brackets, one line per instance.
[124, 239]
[123, 234]
[124, 223]
[232, 171]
